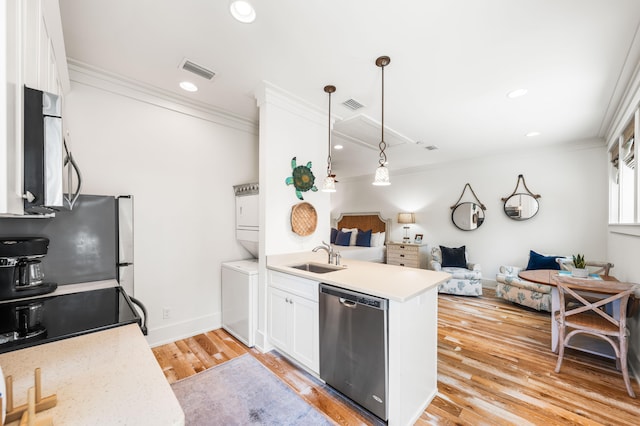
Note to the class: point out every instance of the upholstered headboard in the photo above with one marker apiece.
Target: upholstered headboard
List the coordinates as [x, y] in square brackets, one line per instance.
[364, 221]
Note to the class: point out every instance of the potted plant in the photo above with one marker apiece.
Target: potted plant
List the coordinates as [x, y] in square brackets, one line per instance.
[579, 266]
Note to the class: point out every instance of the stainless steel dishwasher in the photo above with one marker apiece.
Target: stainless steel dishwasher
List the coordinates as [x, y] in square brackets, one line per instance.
[354, 346]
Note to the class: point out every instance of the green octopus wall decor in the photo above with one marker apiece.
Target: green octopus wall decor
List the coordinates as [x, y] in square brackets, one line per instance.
[302, 178]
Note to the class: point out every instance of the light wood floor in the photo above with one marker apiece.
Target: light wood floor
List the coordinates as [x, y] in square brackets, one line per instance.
[495, 367]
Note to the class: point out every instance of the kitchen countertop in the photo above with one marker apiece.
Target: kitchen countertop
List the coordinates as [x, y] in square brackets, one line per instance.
[103, 378]
[391, 282]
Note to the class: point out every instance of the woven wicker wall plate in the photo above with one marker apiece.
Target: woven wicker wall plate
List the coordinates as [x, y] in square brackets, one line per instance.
[303, 219]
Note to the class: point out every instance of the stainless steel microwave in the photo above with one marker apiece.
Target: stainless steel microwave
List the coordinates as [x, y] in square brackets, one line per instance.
[43, 152]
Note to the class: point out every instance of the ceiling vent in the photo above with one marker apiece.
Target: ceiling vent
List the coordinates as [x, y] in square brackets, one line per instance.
[352, 104]
[192, 67]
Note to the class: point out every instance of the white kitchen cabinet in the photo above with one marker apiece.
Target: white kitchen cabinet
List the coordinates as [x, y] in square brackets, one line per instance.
[34, 55]
[293, 323]
[279, 319]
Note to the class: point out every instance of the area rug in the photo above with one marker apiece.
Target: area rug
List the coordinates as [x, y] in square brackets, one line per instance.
[242, 392]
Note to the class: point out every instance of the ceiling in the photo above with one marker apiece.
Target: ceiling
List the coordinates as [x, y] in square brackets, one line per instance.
[452, 64]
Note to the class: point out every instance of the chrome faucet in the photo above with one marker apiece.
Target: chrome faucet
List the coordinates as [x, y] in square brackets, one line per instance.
[326, 247]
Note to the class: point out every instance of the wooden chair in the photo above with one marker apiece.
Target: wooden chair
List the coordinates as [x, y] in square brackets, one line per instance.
[586, 315]
[600, 268]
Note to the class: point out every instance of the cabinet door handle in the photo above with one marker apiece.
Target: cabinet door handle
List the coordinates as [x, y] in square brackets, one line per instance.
[402, 255]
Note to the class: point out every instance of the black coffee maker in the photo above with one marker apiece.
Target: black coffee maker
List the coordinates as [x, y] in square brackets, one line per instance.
[21, 272]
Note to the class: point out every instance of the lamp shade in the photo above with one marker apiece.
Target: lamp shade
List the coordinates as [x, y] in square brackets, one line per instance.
[329, 184]
[406, 218]
[382, 177]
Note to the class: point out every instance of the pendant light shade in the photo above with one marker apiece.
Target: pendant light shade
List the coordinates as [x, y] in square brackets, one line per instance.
[382, 173]
[329, 184]
[382, 176]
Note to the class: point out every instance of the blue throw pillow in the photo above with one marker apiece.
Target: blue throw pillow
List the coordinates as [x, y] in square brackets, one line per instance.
[538, 261]
[363, 238]
[343, 238]
[334, 234]
[453, 257]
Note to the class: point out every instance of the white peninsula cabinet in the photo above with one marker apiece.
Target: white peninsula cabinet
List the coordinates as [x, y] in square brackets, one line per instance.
[412, 294]
[293, 318]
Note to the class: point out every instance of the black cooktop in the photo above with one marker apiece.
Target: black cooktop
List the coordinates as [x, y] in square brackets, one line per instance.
[42, 320]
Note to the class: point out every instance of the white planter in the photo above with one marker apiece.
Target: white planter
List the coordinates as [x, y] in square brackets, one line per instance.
[580, 272]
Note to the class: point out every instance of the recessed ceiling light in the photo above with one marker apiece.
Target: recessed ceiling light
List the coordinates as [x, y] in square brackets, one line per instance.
[242, 11]
[516, 93]
[532, 134]
[338, 147]
[188, 86]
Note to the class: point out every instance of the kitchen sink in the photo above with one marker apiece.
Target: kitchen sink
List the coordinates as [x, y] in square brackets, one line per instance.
[318, 268]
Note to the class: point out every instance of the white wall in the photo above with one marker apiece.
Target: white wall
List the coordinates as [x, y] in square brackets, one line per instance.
[289, 127]
[572, 218]
[180, 166]
[624, 250]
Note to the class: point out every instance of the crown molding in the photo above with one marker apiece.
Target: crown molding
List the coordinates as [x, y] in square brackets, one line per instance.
[271, 94]
[89, 75]
[628, 100]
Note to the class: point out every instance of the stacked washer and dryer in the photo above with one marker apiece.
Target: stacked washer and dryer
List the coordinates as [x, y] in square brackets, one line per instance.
[240, 278]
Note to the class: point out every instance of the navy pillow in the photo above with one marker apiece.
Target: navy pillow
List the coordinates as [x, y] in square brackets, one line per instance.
[363, 238]
[453, 257]
[343, 238]
[538, 261]
[334, 234]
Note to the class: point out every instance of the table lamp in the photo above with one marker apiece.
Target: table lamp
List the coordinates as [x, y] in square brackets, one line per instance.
[406, 218]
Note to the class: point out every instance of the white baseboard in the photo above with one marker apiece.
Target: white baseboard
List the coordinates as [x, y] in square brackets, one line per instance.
[489, 283]
[262, 343]
[181, 330]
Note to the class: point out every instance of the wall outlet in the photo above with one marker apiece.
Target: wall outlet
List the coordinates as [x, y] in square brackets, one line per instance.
[166, 313]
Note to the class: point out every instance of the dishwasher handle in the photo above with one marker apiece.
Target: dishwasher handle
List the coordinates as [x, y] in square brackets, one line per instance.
[347, 303]
[351, 299]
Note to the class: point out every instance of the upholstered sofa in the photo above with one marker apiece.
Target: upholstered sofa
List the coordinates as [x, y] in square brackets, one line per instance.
[464, 281]
[514, 289]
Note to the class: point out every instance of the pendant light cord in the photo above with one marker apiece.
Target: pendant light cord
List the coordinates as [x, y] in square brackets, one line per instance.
[382, 62]
[329, 89]
[329, 127]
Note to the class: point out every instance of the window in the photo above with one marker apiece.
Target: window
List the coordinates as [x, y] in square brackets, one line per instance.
[624, 197]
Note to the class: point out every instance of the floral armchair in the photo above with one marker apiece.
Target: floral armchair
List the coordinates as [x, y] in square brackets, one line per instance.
[514, 289]
[464, 281]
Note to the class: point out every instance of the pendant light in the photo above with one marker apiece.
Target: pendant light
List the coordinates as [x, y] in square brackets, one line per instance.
[329, 184]
[382, 173]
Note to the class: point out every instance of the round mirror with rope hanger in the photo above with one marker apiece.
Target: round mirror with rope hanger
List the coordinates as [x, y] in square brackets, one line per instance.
[468, 215]
[521, 205]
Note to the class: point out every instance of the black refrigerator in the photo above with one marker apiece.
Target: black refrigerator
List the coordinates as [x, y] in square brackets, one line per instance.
[91, 242]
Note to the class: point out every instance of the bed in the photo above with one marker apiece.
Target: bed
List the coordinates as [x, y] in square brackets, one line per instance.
[363, 221]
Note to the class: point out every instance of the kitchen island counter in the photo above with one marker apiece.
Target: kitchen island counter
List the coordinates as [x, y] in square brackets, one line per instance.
[412, 328]
[102, 378]
[397, 283]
